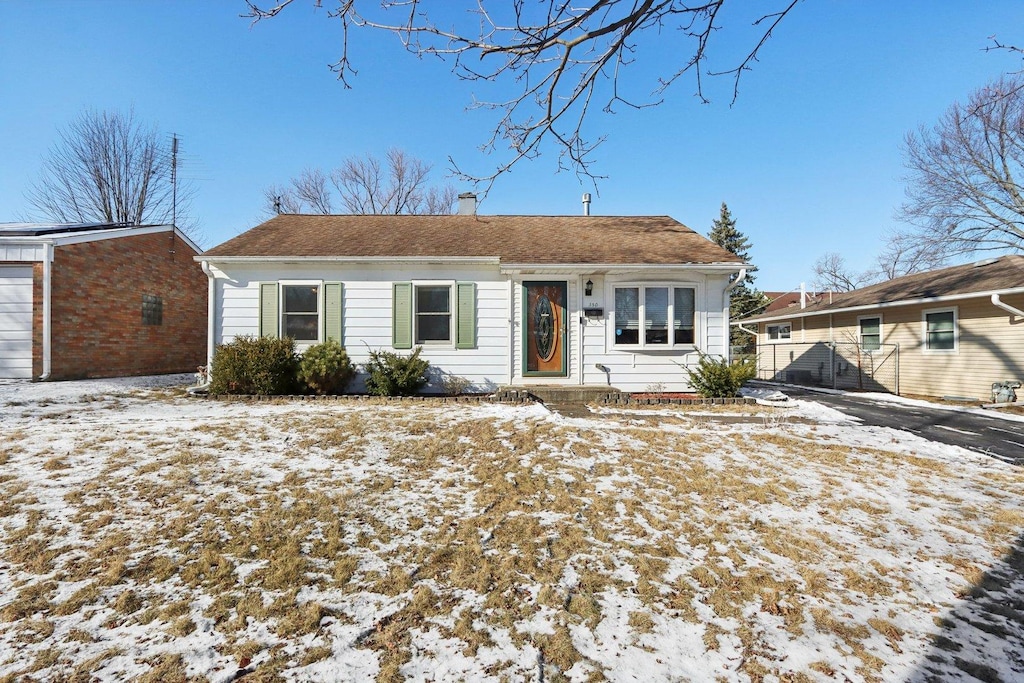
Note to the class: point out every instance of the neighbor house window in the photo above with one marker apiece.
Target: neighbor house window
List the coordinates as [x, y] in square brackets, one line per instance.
[300, 313]
[433, 314]
[152, 310]
[870, 333]
[780, 332]
[654, 316]
[940, 330]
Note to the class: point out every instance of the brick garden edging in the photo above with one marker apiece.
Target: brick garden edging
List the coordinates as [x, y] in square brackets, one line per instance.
[356, 398]
[505, 396]
[627, 400]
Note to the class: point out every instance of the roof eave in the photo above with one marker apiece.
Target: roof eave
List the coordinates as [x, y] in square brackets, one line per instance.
[466, 260]
[804, 313]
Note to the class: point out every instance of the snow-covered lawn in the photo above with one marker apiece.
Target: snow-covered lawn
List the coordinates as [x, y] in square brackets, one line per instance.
[146, 535]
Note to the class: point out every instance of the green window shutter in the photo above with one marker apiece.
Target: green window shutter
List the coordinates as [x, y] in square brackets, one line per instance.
[332, 310]
[401, 315]
[268, 309]
[465, 330]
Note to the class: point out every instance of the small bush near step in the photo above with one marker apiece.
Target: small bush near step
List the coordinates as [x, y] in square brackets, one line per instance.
[453, 385]
[395, 375]
[325, 368]
[265, 366]
[718, 378]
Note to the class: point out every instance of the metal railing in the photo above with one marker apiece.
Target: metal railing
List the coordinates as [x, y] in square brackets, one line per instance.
[835, 365]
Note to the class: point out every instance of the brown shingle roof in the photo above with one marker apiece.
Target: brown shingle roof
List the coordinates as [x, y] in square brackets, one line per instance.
[990, 275]
[513, 239]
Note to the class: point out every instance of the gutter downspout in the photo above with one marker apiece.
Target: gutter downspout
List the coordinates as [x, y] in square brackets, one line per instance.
[725, 309]
[746, 329]
[47, 275]
[511, 331]
[211, 309]
[996, 301]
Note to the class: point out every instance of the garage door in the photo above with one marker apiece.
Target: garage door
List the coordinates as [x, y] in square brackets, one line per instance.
[15, 322]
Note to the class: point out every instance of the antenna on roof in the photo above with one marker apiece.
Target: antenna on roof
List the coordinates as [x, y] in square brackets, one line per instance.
[277, 205]
[174, 179]
[174, 188]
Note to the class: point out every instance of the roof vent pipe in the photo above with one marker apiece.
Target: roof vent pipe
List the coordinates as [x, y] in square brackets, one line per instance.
[586, 203]
[467, 204]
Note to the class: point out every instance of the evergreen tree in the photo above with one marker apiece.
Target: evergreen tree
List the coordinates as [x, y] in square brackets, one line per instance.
[744, 299]
[724, 234]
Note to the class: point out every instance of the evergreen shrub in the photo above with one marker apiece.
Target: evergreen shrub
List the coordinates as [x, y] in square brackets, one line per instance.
[718, 378]
[265, 366]
[325, 368]
[395, 375]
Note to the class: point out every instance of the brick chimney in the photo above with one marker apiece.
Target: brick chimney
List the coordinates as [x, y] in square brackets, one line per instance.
[467, 204]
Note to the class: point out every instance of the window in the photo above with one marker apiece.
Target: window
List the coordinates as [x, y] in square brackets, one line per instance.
[780, 332]
[305, 311]
[433, 314]
[940, 330]
[300, 314]
[667, 314]
[152, 310]
[870, 333]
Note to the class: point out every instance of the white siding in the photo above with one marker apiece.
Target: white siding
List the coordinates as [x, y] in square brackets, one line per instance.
[15, 322]
[21, 252]
[641, 370]
[366, 320]
[589, 338]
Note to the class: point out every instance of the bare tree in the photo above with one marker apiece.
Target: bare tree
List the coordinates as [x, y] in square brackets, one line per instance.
[964, 193]
[904, 254]
[831, 273]
[561, 57]
[365, 185]
[107, 167]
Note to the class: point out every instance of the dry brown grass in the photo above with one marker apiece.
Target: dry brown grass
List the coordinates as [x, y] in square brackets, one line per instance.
[470, 527]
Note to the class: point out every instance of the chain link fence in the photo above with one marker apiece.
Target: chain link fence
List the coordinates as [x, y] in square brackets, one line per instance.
[835, 365]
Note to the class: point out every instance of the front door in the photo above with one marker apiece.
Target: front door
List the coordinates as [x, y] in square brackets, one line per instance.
[544, 330]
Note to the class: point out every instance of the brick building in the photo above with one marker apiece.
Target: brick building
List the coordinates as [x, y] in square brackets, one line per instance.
[99, 300]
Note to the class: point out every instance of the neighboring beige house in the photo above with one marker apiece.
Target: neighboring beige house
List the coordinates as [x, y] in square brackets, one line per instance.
[948, 332]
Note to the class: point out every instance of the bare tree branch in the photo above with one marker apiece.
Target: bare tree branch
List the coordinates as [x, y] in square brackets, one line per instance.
[109, 168]
[832, 274]
[964, 193]
[560, 57]
[364, 185]
[905, 254]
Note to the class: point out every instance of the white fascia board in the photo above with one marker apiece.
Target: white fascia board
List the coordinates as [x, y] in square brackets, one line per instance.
[584, 268]
[98, 235]
[442, 260]
[792, 315]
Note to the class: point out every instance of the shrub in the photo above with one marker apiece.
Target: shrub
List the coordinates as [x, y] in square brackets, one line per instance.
[453, 385]
[325, 368]
[254, 365]
[395, 375]
[717, 378]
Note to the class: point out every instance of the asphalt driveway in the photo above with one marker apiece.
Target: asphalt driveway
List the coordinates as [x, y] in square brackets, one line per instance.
[995, 436]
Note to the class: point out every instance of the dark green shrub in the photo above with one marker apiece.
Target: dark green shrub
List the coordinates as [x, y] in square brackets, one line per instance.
[254, 365]
[718, 378]
[395, 375]
[325, 368]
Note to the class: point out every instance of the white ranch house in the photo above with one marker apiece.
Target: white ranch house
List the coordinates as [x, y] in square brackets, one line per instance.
[498, 300]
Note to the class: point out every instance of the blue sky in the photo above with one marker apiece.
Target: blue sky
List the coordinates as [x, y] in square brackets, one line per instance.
[808, 158]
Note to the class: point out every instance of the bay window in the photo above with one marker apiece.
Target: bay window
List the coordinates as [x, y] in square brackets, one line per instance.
[654, 316]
